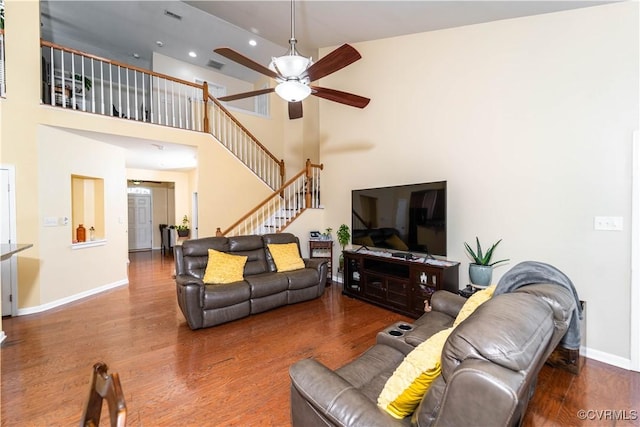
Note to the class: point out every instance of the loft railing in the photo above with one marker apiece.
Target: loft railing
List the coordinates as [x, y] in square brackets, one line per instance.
[3, 83]
[278, 210]
[80, 81]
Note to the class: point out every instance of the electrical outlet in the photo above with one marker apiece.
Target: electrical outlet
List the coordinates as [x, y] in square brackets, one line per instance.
[607, 223]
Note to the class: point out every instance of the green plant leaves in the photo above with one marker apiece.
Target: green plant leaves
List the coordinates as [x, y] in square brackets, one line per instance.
[480, 258]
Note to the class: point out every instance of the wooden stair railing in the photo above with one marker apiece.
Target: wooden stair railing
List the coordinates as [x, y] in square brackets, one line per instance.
[80, 81]
[282, 207]
[246, 147]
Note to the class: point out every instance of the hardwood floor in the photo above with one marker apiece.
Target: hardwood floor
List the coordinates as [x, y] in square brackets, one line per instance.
[234, 374]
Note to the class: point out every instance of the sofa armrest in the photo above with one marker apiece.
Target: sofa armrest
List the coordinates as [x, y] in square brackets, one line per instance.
[483, 392]
[447, 302]
[190, 292]
[317, 392]
[315, 263]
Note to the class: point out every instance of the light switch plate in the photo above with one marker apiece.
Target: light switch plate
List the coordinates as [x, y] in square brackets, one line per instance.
[50, 221]
[607, 223]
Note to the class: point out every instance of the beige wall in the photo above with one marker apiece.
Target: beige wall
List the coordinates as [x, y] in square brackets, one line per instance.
[530, 122]
[63, 270]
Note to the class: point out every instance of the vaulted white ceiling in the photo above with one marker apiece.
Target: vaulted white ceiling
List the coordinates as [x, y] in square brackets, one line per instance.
[130, 31]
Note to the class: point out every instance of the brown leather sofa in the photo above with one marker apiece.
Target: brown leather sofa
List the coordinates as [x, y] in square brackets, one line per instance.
[263, 288]
[489, 363]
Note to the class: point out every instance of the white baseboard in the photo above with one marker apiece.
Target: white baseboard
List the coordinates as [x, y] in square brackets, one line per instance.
[72, 298]
[608, 358]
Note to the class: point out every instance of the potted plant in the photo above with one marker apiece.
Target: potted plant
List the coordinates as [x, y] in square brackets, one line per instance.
[327, 234]
[481, 270]
[343, 239]
[87, 83]
[183, 229]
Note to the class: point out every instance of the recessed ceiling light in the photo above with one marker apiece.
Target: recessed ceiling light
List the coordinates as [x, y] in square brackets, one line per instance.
[192, 54]
[135, 55]
[159, 43]
[252, 42]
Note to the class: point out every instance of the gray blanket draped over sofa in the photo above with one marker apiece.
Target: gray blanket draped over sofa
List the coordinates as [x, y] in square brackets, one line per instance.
[531, 272]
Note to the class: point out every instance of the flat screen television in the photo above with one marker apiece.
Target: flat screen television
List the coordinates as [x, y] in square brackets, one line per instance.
[404, 218]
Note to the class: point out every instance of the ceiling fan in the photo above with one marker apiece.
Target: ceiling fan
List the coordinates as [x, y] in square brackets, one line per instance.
[294, 73]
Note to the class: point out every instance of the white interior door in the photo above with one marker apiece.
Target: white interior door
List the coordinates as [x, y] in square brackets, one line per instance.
[194, 216]
[635, 255]
[140, 222]
[7, 219]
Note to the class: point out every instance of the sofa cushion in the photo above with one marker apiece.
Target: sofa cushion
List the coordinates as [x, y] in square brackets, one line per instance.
[303, 278]
[218, 296]
[429, 324]
[530, 321]
[252, 247]
[371, 370]
[223, 268]
[286, 256]
[195, 253]
[265, 284]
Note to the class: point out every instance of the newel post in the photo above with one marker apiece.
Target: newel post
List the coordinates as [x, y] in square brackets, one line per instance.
[308, 189]
[282, 172]
[205, 100]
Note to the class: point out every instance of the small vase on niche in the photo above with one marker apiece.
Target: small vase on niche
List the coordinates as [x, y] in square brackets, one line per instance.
[81, 234]
[92, 234]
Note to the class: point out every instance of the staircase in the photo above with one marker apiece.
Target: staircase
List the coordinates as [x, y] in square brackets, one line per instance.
[84, 82]
[283, 206]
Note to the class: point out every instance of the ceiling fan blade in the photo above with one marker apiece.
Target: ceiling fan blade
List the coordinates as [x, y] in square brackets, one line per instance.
[245, 94]
[341, 97]
[243, 60]
[332, 62]
[295, 110]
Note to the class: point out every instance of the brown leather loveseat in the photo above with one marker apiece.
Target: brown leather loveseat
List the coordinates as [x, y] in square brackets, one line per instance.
[489, 362]
[262, 288]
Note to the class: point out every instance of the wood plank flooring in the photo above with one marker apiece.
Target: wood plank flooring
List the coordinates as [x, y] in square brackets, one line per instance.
[231, 375]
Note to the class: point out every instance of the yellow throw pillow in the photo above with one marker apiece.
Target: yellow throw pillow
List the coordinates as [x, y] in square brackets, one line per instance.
[474, 301]
[286, 256]
[410, 381]
[395, 242]
[224, 268]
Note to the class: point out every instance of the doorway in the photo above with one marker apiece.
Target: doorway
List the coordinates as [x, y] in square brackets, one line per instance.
[9, 267]
[140, 222]
[635, 254]
[162, 208]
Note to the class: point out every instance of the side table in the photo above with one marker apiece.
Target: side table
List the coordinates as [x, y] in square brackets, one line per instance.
[323, 249]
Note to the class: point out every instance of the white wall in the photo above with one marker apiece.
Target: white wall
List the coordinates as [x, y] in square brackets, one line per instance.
[530, 122]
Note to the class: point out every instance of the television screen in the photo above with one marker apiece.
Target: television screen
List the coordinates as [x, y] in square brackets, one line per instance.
[408, 218]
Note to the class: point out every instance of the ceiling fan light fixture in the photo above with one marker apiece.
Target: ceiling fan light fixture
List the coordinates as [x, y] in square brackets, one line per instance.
[293, 90]
[289, 66]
